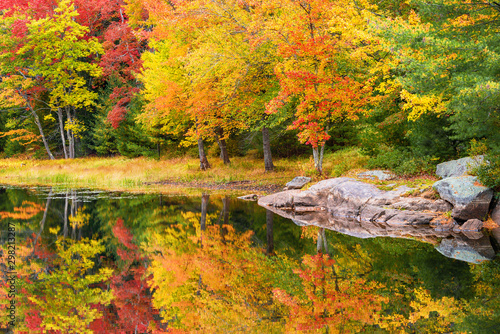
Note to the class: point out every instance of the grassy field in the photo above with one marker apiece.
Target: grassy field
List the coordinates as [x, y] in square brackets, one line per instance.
[179, 175]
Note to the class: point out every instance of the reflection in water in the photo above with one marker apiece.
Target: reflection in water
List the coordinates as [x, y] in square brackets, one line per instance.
[473, 247]
[88, 263]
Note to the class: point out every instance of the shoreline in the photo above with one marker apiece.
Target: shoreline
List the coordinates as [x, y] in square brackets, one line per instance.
[178, 176]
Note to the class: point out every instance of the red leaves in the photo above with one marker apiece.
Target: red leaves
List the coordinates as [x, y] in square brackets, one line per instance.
[122, 52]
[308, 68]
[122, 97]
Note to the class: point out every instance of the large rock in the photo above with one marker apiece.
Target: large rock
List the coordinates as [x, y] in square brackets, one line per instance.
[352, 199]
[328, 184]
[470, 200]
[364, 211]
[458, 167]
[495, 233]
[298, 182]
[291, 199]
[353, 194]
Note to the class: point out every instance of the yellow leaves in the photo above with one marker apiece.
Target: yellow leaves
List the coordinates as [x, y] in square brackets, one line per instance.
[23, 136]
[80, 219]
[419, 105]
[388, 86]
[467, 20]
[54, 230]
[63, 296]
[438, 314]
[424, 305]
[49, 117]
[413, 18]
[76, 126]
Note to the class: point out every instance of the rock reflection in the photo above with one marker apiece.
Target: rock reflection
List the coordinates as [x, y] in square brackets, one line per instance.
[473, 247]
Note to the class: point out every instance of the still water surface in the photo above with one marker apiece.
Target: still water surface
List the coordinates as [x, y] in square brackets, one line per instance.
[87, 261]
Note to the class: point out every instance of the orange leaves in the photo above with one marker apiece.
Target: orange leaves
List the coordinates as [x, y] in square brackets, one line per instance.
[23, 136]
[26, 211]
[330, 300]
[309, 69]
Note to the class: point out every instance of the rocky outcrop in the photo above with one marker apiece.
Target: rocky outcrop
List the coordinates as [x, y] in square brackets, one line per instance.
[298, 182]
[471, 247]
[347, 198]
[362, 210]
[458, 167]
[470, 199]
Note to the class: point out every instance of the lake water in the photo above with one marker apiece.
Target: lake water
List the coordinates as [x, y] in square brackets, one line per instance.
[85, 261]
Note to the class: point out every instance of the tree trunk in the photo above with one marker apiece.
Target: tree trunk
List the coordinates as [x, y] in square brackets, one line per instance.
[44, 218]
[318, 158]
[266, 145]
[204, 165]
[322, 244]
[71, 138]
[204, 205]
[269, 233]
[61, 129]
[225, 209]
[39, 125]
[73, 214]
[223, 147]
[65, 229]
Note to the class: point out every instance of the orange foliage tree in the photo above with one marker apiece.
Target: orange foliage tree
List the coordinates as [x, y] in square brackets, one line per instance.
[321, 46]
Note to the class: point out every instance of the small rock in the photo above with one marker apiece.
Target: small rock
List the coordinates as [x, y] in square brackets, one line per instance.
[251, 197]
[469, 199]
[472, 225]
[458, 167]
[495, 233]
[298, 182]
[495, 213]
[381, 175]
[473, 235]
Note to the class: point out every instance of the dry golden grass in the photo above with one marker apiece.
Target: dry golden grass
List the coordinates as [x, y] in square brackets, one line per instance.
[144, 175]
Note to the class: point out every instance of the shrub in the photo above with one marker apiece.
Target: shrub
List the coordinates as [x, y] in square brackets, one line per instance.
[402, 162]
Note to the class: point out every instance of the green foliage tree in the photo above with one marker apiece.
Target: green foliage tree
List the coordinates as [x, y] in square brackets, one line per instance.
[445, 61]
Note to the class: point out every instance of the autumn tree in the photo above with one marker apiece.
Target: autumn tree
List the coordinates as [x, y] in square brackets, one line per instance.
[321, 45]
[49, 56]
[203, 272]
[216, 66]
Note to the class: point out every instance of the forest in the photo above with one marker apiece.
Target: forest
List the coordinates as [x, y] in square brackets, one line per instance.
[407, 83]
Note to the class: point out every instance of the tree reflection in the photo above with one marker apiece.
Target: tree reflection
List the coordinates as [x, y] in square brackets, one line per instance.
[190, 265]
